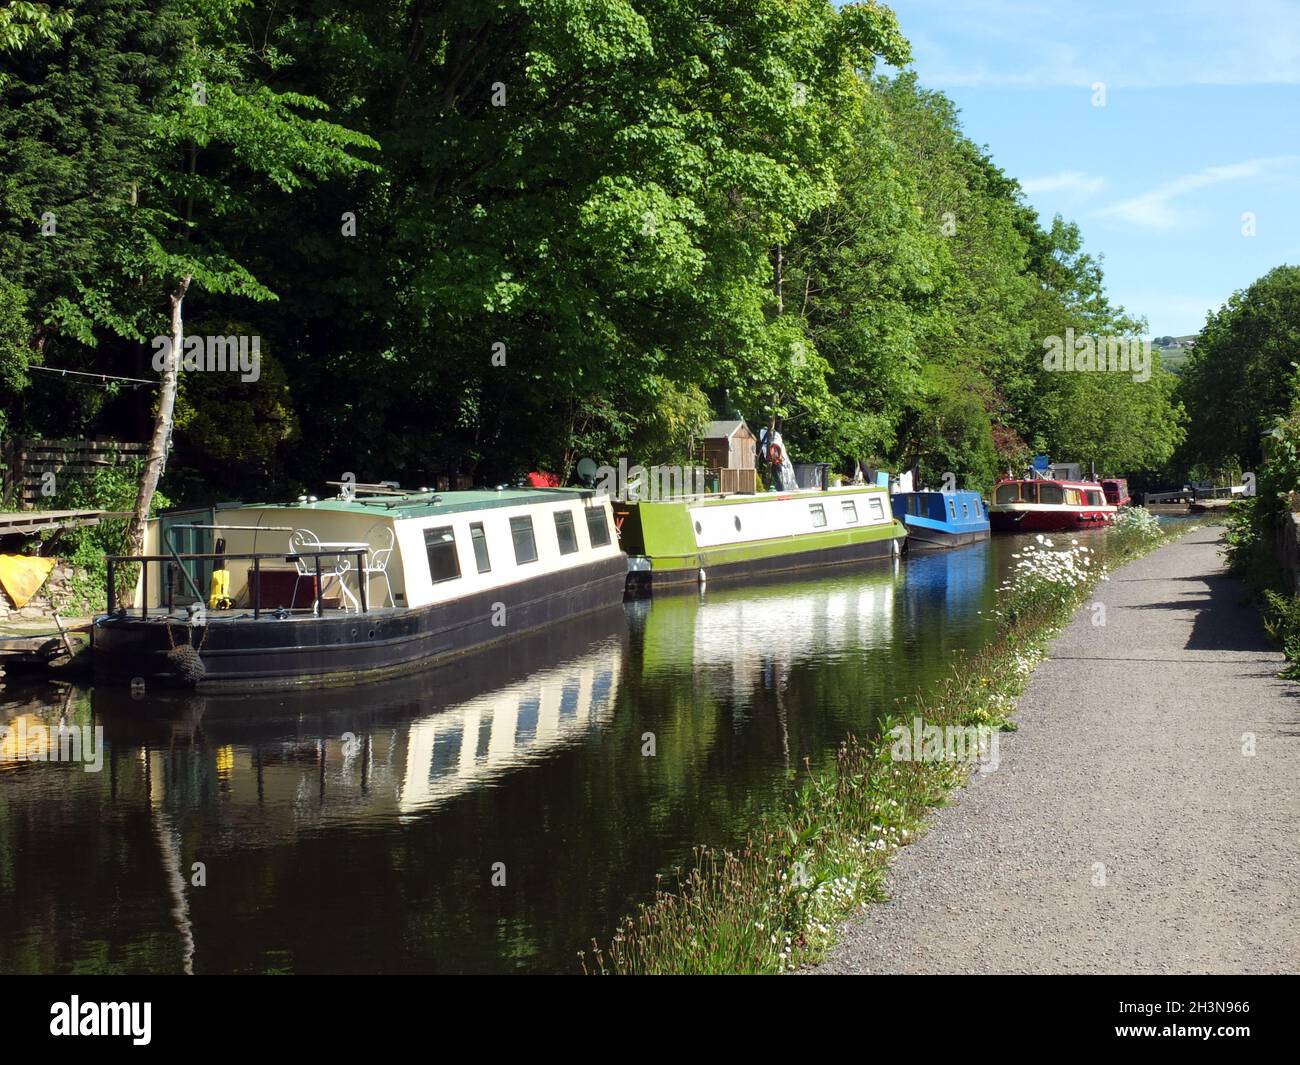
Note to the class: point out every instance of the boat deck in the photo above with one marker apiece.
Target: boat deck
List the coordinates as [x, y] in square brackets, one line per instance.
[275, 615]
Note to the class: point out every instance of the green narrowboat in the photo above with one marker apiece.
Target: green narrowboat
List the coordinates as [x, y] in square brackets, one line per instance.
[685, 542]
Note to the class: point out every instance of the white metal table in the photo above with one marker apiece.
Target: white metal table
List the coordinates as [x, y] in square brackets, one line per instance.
[343, 565]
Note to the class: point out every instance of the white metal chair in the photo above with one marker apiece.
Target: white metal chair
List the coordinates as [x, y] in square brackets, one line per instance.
[304, 540]
[382, 540]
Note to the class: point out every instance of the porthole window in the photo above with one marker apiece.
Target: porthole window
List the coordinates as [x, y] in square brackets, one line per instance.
[698, 528]
[737, 523]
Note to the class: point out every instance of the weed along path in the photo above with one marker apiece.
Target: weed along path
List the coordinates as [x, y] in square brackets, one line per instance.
[1124, 830]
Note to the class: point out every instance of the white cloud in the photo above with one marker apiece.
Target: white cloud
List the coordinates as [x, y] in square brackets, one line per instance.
[1156, 208]
[1073, 182]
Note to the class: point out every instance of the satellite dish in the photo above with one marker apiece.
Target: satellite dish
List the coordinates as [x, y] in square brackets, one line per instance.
[587, 470]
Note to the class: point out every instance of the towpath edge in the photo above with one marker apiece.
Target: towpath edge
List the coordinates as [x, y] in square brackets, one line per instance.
[1124, 830]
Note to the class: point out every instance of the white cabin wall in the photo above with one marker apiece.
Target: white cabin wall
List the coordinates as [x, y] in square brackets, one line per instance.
[772, 519]
[420, 590]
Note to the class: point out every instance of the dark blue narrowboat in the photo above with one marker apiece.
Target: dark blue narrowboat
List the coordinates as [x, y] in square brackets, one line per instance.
[936, 520]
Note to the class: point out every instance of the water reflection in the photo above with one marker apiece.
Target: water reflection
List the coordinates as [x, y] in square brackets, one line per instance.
[358, 829]
[388, 750]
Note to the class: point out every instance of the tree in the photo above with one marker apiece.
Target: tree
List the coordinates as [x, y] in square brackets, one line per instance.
[1240, 376]
[216, 123]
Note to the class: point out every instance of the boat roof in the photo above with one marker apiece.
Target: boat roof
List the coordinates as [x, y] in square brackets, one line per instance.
[1063, 482]
[425, 504]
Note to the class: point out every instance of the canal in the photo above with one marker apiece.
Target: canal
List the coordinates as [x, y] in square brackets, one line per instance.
[489, 816]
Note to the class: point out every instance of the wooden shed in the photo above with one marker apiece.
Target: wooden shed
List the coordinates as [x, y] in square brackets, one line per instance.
[728, 445]
[729, 448]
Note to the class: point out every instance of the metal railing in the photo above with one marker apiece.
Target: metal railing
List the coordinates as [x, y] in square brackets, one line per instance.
[255, 573]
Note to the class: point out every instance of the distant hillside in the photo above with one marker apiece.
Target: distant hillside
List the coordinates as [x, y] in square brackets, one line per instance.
[1174, 351]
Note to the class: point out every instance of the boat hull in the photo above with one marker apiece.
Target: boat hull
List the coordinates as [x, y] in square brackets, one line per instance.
[921, 539]
[718, 569]
[243, 654]
[1049, 519]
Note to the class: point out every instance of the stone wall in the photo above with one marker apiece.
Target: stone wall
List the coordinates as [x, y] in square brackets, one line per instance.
[57, 594]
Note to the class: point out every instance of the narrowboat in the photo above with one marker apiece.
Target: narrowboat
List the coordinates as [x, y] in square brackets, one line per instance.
[936, 520]
[1116, 489]
[687, 542]
[376, 582]
[1045, 505]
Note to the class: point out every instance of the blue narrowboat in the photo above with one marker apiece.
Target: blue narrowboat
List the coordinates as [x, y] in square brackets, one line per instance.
[936, 520]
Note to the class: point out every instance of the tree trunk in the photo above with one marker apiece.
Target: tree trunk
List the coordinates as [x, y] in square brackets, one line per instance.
[162, 431]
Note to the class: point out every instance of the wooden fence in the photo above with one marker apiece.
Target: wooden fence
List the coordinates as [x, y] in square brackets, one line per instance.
[27, 460]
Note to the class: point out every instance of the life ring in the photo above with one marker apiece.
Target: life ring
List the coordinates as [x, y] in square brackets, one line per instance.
[775, 455]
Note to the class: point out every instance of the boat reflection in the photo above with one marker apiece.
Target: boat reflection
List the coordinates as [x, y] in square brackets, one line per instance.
[734, 634]
[950, 581]
[394, 749]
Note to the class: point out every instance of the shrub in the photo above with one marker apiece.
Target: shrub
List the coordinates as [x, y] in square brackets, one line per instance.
[113, 488]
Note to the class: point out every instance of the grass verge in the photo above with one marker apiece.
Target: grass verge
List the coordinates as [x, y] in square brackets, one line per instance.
[774, 904]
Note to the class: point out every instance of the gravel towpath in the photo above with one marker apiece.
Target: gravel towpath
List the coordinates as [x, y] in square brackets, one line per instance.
[1124, 830]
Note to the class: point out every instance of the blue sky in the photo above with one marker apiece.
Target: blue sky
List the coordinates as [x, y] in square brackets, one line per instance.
[1200, 128]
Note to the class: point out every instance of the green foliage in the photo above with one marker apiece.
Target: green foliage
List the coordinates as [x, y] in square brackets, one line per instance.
[24, 25]
[1282, 622]
[1241, 375]
[641, 207]
[112, 487]
[1253, 521]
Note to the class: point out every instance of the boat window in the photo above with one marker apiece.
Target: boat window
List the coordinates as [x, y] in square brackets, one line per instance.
[965, 509]
[1007, 493]
[850, 510]
[877, 511]
[564, 532]
[597, 527]
[737, 523]
[1095, 499]
[521, 529]
[952, 509]
[1050, 493]
[1074, 497]
[440, 545]
[1028, 492]
[479, 540]
[818, 513]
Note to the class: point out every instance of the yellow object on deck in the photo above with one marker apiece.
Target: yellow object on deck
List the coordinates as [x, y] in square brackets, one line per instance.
[219, 591]
[22, 576]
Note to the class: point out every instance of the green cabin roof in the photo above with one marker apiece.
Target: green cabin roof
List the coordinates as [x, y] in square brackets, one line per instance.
[431, 504]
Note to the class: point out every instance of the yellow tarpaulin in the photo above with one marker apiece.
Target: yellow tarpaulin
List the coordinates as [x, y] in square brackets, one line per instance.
[22, 576]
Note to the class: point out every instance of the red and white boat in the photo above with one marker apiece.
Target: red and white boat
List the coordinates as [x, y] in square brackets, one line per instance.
[1045, 505]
